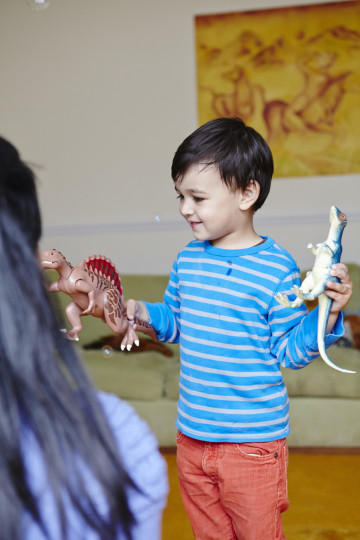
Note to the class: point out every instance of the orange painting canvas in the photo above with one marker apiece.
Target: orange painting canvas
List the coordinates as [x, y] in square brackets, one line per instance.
[291, 73]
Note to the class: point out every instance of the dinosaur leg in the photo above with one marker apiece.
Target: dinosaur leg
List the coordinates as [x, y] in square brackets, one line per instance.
[312, 248]
[314, 293]
[116, 318]
[130, 337]
[140, 326]
[284, 301]
[298, 291]
[113, 315]
[73, 312]
[307, 285]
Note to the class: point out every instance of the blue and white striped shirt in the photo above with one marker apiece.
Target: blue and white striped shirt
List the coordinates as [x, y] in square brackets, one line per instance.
[219, 304]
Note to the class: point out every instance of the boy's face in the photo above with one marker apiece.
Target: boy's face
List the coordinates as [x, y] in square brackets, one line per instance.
[210, 208]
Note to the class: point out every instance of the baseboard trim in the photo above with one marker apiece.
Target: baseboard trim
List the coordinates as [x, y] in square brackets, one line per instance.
[168, 449]
[324, 450]
[327, 450]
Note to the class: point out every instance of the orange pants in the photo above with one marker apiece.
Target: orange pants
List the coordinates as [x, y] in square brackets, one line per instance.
[233, 491]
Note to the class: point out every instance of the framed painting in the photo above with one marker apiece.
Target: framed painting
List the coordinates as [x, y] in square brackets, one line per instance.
[291, 73]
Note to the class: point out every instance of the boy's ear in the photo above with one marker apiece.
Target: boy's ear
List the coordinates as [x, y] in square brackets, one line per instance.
[249, 195]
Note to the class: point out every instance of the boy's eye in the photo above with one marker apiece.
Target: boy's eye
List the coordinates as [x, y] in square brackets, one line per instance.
[195, 199]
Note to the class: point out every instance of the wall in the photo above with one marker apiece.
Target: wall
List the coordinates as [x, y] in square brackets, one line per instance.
[98, 94]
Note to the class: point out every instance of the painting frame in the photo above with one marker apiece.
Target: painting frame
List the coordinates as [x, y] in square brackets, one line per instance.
[292, 73]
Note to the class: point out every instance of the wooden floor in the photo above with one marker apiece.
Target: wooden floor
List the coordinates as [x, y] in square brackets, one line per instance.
[324, 494]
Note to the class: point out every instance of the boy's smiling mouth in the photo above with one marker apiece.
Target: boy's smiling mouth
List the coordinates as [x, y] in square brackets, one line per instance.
[194, 223]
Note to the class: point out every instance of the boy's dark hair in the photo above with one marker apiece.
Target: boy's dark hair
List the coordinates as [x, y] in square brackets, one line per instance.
[238, 151]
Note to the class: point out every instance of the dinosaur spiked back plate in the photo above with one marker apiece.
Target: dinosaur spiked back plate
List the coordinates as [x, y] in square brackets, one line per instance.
[104, 267]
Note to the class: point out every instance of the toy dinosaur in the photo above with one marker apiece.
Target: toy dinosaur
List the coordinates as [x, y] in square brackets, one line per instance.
[326, 254]
[95, 288]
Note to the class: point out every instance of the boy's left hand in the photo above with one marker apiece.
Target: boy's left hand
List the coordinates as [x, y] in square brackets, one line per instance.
[340, 292]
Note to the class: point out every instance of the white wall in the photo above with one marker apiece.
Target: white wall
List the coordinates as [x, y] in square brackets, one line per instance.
[99, 94]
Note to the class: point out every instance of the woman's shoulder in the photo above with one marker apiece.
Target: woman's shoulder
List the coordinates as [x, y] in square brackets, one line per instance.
[137, 445]
[139, 453]
[127, 426]
[124, 421]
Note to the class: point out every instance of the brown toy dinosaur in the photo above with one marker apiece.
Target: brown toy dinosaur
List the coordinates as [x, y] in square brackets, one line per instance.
[95, 288]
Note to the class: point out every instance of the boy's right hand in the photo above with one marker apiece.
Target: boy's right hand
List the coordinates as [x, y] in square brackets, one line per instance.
[135, 308]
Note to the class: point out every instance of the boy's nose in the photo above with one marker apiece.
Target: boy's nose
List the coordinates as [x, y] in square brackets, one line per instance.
[186, 208]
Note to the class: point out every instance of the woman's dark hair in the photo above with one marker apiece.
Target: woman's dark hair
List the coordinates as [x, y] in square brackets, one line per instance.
[238, 151]
[44, 389]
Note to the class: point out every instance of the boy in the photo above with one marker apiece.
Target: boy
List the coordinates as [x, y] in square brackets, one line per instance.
[233, 408]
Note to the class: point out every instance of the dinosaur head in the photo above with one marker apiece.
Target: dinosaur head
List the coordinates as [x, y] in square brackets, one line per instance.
[337, 217]
[52, 259]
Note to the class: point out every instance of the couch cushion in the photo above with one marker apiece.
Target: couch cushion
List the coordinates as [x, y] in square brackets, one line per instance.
[320, 380]
[150, 288]
[130, 376]
[172, 380]
[353, 305]
[160, 416]
[324, 422]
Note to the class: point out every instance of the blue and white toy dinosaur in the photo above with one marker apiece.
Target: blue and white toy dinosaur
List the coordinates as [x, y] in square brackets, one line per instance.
[326, 254]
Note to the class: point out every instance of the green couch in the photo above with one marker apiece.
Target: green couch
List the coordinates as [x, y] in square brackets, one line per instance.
[324, 403]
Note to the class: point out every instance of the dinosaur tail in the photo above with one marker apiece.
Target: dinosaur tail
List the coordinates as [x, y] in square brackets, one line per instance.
[324, 310]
